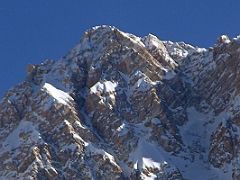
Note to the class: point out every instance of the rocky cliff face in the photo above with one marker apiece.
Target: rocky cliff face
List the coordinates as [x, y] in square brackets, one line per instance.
[122, 107]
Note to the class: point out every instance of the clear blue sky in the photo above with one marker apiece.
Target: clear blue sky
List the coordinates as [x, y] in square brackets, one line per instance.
[31, 31]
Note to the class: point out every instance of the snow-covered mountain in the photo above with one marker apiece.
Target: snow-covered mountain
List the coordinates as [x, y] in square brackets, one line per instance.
[119, 106]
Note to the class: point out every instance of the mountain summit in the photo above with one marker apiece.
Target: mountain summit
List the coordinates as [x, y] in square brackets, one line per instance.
[118, 106]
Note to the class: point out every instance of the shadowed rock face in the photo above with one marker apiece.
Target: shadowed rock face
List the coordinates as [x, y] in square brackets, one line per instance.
[122, 107]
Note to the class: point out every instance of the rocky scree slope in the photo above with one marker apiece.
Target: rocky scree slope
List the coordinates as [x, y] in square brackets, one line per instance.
[122, 107]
